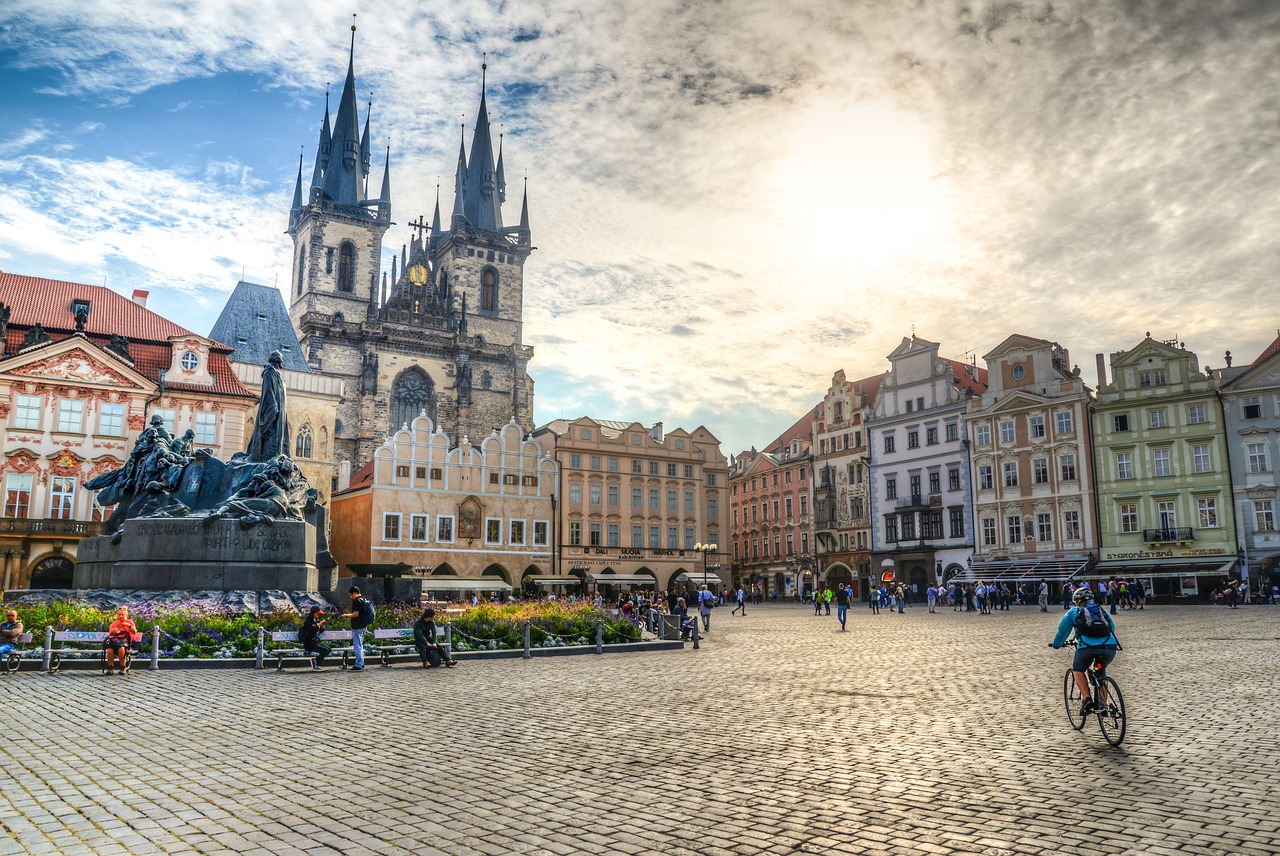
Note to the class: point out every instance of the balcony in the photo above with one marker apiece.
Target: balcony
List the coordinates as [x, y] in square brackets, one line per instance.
[34, 526]
[916, 501]
[1168, 536]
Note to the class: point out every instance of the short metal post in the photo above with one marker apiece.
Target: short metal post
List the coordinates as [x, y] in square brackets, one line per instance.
[599, 637]
[527, 655]
[155, 648]
[696, 636]
[257, 660]
[48, 647]
[448, 641]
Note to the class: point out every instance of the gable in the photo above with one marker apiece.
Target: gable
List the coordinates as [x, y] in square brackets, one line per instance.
[1016, 342]
[1262, 375]
[74, 361]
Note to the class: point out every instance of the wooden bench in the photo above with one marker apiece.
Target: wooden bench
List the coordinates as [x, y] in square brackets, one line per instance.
[292, 636]
[14, 659]
[80, 638]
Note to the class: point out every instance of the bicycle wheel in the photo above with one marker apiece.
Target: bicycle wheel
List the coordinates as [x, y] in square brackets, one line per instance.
[1072, 699]
[1112, 719]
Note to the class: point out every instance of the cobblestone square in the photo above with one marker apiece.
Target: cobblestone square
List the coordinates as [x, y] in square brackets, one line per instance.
[908, 734]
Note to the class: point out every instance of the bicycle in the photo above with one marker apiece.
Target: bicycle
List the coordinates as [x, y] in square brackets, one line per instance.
[1111, 716]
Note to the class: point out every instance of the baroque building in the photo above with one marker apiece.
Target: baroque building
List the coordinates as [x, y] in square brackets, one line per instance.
[442, 335]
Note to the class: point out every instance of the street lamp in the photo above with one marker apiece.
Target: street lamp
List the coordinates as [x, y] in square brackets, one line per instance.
[704, 549]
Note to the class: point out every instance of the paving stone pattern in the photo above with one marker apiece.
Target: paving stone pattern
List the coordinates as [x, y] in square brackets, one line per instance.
[911, 734]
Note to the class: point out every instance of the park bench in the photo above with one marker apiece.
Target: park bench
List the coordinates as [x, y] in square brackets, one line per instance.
[292, 636]
[404, 637]
[14, 660]
[80, 639]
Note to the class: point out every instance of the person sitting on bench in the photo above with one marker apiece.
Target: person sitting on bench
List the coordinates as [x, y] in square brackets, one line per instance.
[10, 633]
[309, 638]
[120, 635]
[424, 639]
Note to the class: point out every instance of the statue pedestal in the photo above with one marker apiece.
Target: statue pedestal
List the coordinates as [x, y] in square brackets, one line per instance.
[184, 553]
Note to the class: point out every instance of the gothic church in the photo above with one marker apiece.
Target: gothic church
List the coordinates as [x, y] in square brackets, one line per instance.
[442, 335]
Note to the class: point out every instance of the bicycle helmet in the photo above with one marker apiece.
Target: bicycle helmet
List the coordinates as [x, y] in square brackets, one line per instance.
[1082, 596]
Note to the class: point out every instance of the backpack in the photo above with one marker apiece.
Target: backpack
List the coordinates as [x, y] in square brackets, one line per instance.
[367, 613]
[1091, 622]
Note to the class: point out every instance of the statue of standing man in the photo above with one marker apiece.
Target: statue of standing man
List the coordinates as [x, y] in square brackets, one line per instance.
[271, 429]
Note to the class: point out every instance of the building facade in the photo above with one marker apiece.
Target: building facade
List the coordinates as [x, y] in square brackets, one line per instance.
[921, 501]
[82, 371]
[449, 514]
[635, 502]
[1165, 510]
[1031, 465]
[443, 336]
[1250, 398]
[841, 478]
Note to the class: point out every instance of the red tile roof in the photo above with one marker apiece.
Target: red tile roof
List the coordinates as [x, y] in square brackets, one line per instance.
[362, 477]
[34, 300]
[964, 377]
[802, 428]
[1272, 350]
[870, 386]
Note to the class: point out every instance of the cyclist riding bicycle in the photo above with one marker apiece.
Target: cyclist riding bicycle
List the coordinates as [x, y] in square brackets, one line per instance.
[1093, 643]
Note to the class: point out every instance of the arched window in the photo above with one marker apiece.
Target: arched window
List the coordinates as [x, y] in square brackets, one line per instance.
[347, 268]
[489, 290]
[411, 394]
[486, 380]
[302, 448]
[302, 269]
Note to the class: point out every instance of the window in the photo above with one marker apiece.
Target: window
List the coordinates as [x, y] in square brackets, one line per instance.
[788, 506]
[839, 411]
[637, 467]
[910, 406]
[913, 439]
[890, 488]
[169, 417]
[207, 431]
[655, 499]
[1071, 525]
[404, 471]
[1144, 378]
[908, 527]
[1157, 418]
[1160, 460]
[672, 502]
[585, 433]
[673, 538]
[575, 493]
[62, 497]
[653, 468]
[190, 361]
[931, 436]
[1195, 414]
[595, 462]
[1044, 527]
[1013, 527]
[1252, 407]
[516, 528]
[1067, 467]
[1257, 453]
[888, 442]
[775, 509]
[613, 465]
[953, 479]
[110, 418]
[510, 478]
[1264, 515]
[1158, 377]
[713, 508]
[347, 268]
[688, 501]
[575, 461]
[935, 482]
[1167, 509]
[492, 530]
[26, 414]
[1208, 508]
[302, 446]
[17, 494]
[1007, 434]
[953, 431]
[540, 530]
[593, 535]
[655, 537]
[1128, 517]
[575, 533]
[988, 532]
[596, 492]
[1120, 422]
[613, 536]
[671, 470]
[688, 538]
[804, 505]
[1040, 470]
[637, 535]
[1200, 458]
[1124, 465]
[891, 529]
[489, 290]
[615, 498]
[1036, 426]
[1063, 422]
[957, 523]
[391, 526]
[418, 527]
[1010, 473]
[982, 434]
[637, 497]
[915, 488]
[70, 415]
[986, 477]
[711, 479]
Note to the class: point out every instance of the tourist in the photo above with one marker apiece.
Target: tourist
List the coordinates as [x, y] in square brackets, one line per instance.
[1044, 596]
[10, 632]
[742, 602]
[687, 624]
[706, 600]
[901, 597]
[874, 601]
[932, 594]
[1139, 594]
[361, 616]
[120, 635]
[842, 605]
[309, 637]
[424, 639]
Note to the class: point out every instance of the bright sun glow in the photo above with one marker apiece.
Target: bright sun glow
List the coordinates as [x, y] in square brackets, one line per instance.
[857, 179]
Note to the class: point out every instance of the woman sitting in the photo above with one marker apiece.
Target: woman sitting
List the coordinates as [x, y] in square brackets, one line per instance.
[120, 635]
[309, 637]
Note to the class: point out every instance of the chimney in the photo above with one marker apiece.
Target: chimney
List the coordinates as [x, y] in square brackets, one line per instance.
[140, 297]
[1102, 371]
[344, 475]
[656, 432]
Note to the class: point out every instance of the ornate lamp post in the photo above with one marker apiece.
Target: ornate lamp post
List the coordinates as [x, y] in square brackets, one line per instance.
[704, 549]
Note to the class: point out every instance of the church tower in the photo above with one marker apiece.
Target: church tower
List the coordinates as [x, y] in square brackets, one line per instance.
[442, 335]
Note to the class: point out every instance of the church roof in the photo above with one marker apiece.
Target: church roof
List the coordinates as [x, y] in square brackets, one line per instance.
[254, 322]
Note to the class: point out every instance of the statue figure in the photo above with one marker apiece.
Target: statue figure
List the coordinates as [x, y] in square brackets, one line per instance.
[35, 336]
[267, 497]
[464, 379]
[369, 374]
[4, 326]
[120, 345]
[462, 321]
[271, 428]
[82, 318]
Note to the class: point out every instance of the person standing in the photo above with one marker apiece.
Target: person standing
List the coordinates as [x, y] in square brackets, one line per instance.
[705, 601]
[742, 602]
[842, 605]
[1044, 596]
[932, 594]
[361, 616]
[901, 598]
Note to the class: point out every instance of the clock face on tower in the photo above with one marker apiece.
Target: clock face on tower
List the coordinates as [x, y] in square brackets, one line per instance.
[190, 361]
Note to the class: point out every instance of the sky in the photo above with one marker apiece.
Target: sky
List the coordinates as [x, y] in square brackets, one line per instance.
[731, 200]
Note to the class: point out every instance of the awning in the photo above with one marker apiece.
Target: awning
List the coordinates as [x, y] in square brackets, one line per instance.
[697, 578]
[1222, 566]
[555, 581]
[1016, 570]
[623, 580]
[464, 584]
[398, 569]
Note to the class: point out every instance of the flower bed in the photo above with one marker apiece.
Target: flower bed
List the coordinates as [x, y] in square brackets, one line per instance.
[197, 629]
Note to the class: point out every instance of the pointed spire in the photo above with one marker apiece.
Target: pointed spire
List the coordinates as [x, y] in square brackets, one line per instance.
[365, 153]
[435, 218]
[323, 147]
[460, 182]
[502, 174]
[385, 196]
[483, 209]
[344, 178]
[524, 208]
[297, 188]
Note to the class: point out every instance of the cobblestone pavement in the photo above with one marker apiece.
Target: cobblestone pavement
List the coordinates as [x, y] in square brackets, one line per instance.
[908, 734]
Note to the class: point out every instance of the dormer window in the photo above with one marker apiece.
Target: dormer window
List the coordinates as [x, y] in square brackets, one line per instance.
[190, 361]
[77, 305]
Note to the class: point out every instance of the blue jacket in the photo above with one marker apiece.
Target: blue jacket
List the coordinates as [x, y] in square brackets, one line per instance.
[1068, 624]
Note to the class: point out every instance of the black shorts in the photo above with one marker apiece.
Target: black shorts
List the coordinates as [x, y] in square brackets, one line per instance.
[1085, 657]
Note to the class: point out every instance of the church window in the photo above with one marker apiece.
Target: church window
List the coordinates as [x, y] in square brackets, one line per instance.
[328, 260]
[411, 394]
[486, 380]
[302, 447]
[302, 269]
[489, 290]
[347, 268]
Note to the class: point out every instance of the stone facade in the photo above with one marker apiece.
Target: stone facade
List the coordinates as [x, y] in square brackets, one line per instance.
[773, 530]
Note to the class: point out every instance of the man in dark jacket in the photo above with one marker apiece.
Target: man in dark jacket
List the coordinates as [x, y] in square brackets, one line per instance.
[361, 616]
[424, 639]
